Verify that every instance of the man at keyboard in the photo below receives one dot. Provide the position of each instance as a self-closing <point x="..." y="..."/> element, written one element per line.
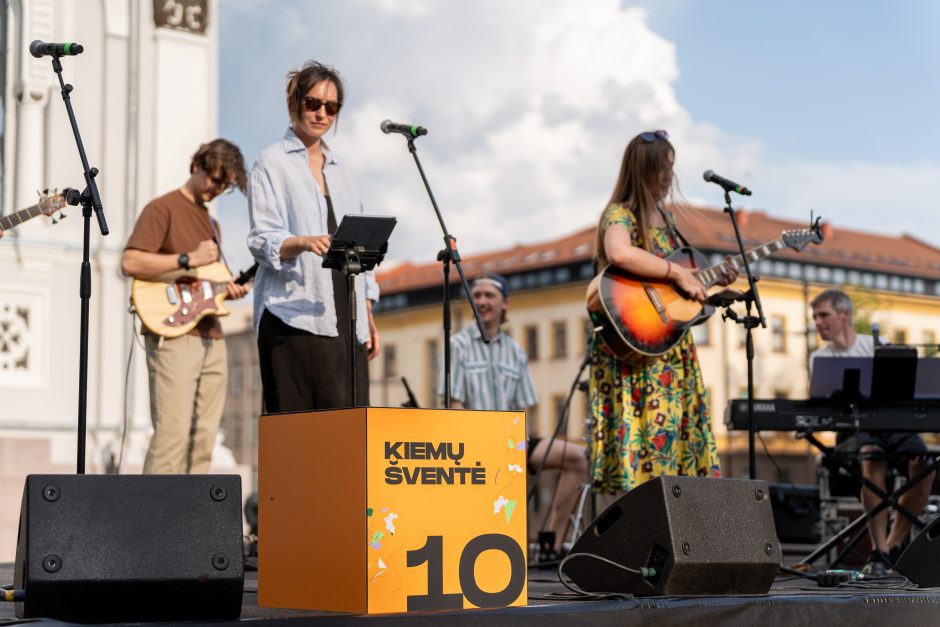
<point x="832" y="314"/>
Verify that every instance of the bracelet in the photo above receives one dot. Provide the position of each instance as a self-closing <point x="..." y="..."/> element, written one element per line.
<point x="668" y="269"/>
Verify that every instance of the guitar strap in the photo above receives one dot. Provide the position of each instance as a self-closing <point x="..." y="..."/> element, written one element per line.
<point x="673" y="227"/>
<point x="218" y="242"/>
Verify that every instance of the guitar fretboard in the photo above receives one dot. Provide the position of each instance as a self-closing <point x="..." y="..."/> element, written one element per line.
<point x="8" y="222"/>
<point x="710" y="275"/>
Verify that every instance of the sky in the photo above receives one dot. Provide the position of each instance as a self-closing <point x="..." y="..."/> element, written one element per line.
<point x="830" y="107"/>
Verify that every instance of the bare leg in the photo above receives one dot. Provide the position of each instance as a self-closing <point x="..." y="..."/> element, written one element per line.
<point x="571" y="460"/>
<point x="914" y="501"/>
<point x="874" y="471"/>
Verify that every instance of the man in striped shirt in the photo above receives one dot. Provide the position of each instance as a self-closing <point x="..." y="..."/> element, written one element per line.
<point x="496" y="376"/>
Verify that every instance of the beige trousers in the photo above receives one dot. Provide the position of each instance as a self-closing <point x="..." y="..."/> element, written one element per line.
<point x="187" y="396"/>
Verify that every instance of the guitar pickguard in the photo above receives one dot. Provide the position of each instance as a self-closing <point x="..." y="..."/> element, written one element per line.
<point x="194" y="298"/>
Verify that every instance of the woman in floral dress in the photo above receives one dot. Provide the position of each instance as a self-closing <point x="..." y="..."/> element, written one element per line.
<point x="650" y="419"/>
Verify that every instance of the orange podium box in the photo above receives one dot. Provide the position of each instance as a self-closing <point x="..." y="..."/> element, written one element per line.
<point x="374" y="510"/>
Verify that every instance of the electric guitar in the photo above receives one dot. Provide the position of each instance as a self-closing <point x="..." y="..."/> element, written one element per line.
<point x="172" y="304"/>
<point x="643" y="317"/>
<point x="47" y="205"/>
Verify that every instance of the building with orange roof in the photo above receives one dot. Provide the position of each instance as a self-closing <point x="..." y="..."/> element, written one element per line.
<point x="894" y="281"/>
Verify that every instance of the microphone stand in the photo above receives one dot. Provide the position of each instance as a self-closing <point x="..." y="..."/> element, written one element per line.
<point x="447" y="256"/>
<point x="90" y="199"/>
<point x="751" y="297"/>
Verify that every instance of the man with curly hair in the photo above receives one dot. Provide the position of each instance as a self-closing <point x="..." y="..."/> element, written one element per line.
<point x="187" y="374"/>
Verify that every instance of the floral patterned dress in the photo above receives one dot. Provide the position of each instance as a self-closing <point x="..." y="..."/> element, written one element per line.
<point x="653" y="419"/>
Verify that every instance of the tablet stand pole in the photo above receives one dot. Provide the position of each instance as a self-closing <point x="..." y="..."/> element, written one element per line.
<point x="353" y="258"/>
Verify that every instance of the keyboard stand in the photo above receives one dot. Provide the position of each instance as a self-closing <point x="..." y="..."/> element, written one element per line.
<point x="860" y="524"/>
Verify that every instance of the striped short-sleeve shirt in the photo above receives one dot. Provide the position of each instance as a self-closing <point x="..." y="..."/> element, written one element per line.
<point x="492" y="376"/>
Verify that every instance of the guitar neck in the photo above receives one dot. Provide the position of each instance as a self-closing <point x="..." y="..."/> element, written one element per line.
<point x="221" y="287"/>
<point x="711" y="275"/>
<point x="8" y="222"/>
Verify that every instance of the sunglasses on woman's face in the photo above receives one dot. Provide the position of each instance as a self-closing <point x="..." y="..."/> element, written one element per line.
<point x="313" y="105"/>
<point x="652" y="136"/>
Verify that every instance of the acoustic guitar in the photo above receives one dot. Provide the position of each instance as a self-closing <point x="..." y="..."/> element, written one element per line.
<point x="172" y="304"/>
<point x="643" y="318"/>
<point x="47" y="205"/>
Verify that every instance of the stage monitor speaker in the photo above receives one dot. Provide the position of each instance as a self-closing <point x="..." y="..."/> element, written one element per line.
<point x="700" y="535"/>
<point x="111" y="548"/>
<point x="920" y="562"/>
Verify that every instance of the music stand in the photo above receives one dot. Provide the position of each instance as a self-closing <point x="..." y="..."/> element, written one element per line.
<point x="894" y="373"/>
<point x="358" y="245"/>
<point x="888" y="377"/>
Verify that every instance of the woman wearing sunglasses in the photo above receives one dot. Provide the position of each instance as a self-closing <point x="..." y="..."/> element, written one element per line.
<point x="650" y="419"/>
<point x="299" y="191"/>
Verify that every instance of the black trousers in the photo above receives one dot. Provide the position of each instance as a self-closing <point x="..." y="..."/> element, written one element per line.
<point x="301" y="371"/>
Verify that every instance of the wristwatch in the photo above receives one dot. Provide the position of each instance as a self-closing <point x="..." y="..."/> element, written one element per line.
<point x="183" y="261"/>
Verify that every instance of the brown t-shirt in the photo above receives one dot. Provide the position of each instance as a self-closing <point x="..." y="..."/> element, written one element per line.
<point x="174" y="224"/>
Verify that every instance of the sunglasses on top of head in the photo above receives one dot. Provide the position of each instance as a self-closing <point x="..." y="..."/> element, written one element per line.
<point x="650" y="136"/>
<point x="313" y="105"/>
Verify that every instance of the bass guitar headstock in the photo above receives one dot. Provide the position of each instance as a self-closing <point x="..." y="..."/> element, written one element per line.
<point x="798" y="239"/>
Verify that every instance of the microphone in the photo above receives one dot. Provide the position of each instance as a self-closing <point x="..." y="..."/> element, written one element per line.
<point x="409" y="130"/>
<point x="729" y="186"/>
<point x="41" y="49"/>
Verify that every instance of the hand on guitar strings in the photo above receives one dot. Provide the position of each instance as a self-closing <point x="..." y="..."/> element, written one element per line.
<point x="729" y="273"/>
<point x="206" y="253"/>
<point x="686" y="281"/>
<point x="235" y="291"/>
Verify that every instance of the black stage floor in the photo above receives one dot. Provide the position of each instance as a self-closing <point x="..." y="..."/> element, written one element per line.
<point x="791" y="602"/>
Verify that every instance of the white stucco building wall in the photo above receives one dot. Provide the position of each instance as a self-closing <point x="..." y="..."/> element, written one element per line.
<point x="145" y="96"/>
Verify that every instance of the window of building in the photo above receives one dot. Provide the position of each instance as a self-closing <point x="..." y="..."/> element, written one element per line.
<point x="433" y="375"/>
<point x="700" y="334"/>
<point x="532" y="342"/>
<point x="838" y="276"/>
<point x="778" y="327"/>
<point x="930" y="343"/>
<point x="558" y="401"/>
<point x="559" y="339"/>
<point x="532" y="420"/>
<point x="812" y="340"/>
<point x="390" y="361"/>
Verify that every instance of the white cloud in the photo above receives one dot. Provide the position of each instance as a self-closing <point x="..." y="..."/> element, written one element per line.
<point x="529" y="105"/>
